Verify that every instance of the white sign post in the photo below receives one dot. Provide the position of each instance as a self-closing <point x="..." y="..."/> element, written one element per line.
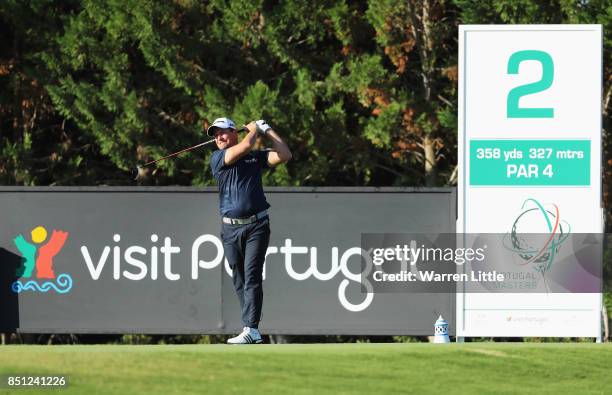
<point x="529" y="139"/>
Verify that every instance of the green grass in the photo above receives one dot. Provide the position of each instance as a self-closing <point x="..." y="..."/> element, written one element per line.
<point x="511" y="368"/>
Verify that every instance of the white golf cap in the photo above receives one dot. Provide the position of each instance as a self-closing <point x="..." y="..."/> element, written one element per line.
<point x="221" y="123"/>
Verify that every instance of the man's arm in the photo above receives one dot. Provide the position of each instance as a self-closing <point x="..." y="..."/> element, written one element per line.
<point x="239" y="150"/>
<point x="281" y="153"/>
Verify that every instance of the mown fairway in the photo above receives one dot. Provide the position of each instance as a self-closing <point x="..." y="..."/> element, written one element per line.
<point x="512" y="368"/>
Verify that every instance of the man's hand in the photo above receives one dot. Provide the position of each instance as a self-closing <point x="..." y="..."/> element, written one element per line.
<point x="262" y="127"/>
<point x="281" y="153"/>
<point x="251" y="126"/>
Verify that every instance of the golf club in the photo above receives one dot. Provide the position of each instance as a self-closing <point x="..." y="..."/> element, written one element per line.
<point x="139" y="168"/>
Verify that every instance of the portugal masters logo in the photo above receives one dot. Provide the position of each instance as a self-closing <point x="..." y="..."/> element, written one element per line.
<point x="537" y="234"/>
<point x="39" y="255"/>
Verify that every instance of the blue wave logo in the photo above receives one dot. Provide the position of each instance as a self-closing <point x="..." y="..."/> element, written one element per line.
<point x="61" y="285"/>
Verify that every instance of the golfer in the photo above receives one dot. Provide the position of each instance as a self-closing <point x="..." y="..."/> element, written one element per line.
<point x="245" y="227"/>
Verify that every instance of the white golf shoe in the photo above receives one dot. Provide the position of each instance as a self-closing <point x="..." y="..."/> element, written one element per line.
<point x="247" y="336"/>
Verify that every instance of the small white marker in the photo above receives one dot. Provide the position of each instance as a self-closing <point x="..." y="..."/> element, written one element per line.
<point x="441" y="331"/>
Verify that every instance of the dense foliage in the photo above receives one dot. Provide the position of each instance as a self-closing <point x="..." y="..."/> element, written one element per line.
<point x="365" y="92"/>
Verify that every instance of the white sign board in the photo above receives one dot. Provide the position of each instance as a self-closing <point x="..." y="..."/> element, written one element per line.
<point x="529" y="139"/>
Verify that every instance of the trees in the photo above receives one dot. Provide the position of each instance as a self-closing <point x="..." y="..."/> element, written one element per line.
<point x="35" y="146"/>
<point x="364" y="91"/>
<point x="417" y="37"/>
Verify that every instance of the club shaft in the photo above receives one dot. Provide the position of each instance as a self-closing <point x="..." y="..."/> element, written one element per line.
<point x="178" y="153"/>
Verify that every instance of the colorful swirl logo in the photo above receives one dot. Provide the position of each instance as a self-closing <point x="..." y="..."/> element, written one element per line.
<point x="537" y="234"/>
<point x="38" y="257"/>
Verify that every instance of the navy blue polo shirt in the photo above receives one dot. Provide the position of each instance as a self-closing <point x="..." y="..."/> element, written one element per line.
<point x="240" y="190"/>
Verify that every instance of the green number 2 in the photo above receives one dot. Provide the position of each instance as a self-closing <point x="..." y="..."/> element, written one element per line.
<point x="548" y="72"/>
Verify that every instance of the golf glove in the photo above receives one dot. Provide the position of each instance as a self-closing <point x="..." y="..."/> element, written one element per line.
<point x="262" y="127"/>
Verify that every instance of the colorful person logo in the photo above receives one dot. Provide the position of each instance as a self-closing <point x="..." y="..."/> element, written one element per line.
<point x="43" y="263"/>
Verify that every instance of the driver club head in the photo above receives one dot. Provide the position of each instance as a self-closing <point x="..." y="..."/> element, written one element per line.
<point x="138" y="172"/>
